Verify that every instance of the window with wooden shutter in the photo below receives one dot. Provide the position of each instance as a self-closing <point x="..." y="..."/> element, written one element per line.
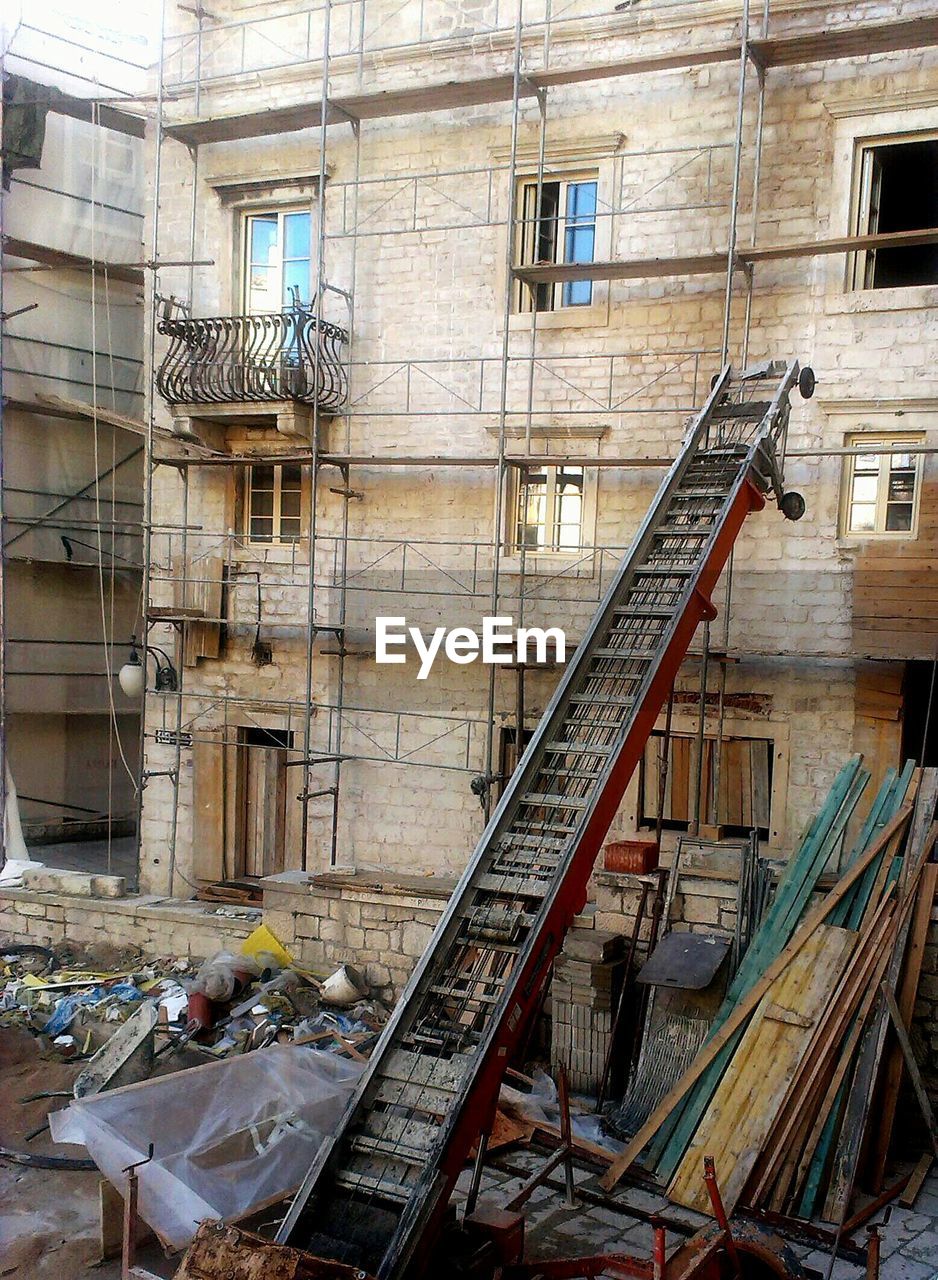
<point x="736" y="783"/>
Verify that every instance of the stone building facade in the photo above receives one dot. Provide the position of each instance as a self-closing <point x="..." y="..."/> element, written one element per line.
<point x="416" y="211"/>
<point x="826" y="637"/>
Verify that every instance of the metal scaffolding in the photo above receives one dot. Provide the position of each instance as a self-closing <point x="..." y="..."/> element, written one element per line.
<point x="504" y="391"/>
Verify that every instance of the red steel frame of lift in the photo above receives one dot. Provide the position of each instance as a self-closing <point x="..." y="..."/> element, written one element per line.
<point x="478" y="1109"/>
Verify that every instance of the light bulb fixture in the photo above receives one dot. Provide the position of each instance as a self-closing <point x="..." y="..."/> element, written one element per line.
<point x="132" y="677"/>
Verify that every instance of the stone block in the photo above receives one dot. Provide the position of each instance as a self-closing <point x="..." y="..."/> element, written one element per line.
<point x="74" y="884"/>
<point x="35" y="909"/>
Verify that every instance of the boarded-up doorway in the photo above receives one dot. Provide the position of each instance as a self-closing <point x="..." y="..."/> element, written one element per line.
<point x="262" y="787"/>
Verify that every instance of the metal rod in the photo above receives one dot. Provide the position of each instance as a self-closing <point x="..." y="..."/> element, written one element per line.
<point x="737" y="173"/>
<point x="566" y="1134"/>
<point x="503" y="387"/>
<point x="719" y="1212"/>
<point x="472" y="1198"/>
<point x="664" y="769"/>
<point x="701" y="727"/>
<point x="314" y="444"/>
<point x="178" y="694"/>
<point x="928" y="708"/>
<point x="148" y="463"/>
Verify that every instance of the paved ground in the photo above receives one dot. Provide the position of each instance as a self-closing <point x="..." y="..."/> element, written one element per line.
<point x="909" y="1238"/>
<point x="48" y="1228"/>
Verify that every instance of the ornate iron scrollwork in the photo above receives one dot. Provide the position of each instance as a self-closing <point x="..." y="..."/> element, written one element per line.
<point x="225" y="359"/>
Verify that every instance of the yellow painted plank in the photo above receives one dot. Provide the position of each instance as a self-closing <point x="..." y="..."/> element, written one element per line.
<point x="754" y="1085"/>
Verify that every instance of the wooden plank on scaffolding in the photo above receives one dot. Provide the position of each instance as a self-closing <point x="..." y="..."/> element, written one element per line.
<point x="853" y="40"/>
<point x="860" y="40"/>
<point x="46" y="256"/>
<point x="715" y="262"/>
<point x="747" y="1100"/>
<point x="740" y="1015"/>
<point x="80" y="411"/>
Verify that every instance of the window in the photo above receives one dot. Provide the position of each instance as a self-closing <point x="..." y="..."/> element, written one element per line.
<point x="548" y="508"/>
<point x="881" y="490"/>
<point x="898" y="191"/>
<point x="744" y="783"/>
<point x="277" y="260"/>
<point x="274" y="503"/>
<point x="559" y="228"/>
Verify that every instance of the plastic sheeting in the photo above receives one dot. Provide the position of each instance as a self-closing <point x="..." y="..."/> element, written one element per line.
<point x="227" y="1137"/>
<point x="542" y="1105"/>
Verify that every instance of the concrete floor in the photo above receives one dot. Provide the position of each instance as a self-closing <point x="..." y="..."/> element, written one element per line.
<point x="91" y="855"/>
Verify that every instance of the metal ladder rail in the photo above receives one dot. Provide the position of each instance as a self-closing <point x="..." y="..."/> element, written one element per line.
<point x="659" y="546"/>
<point x="423" y="1150"/>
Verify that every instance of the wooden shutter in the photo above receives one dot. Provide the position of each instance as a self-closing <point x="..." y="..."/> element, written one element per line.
<point x="208" y="808"/>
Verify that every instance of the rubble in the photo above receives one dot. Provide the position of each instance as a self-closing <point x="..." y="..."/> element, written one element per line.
<point x="232" y="1003"/>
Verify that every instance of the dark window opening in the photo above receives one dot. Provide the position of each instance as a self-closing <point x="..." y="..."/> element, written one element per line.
<point x="920" y="714"/>
<point x="899" y="193"/>
<point x="508" y="754"/>
<point x="255" y="737"/>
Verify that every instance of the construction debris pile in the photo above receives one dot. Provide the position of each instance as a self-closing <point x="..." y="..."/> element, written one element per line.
<point x="230" y="1004"/>
<point x="794" y="1093"/>
<point x="244" y="1026"/>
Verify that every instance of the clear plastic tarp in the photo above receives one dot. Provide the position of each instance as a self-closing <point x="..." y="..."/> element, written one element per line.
<point x="227" y="1137"/>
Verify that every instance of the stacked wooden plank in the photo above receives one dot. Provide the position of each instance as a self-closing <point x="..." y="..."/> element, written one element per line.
<point x="587" y="980"/>
<point x="799" y="1075"/>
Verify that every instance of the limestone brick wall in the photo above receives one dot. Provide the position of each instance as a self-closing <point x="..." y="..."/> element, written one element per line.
<point x="158" y="926"/>
<point x="382" y="931"/>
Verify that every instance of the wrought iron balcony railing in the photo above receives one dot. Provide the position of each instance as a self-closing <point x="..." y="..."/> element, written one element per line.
<point x="227" y="359"/>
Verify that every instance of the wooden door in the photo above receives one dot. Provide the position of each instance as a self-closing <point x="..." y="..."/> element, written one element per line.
<point x="263" y="826"/>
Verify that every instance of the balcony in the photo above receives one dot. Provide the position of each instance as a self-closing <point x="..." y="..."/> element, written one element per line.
<point x="291" y="355"/>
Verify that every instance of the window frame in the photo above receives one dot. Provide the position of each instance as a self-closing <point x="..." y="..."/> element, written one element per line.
<point x="280" y="211"/>
<point x="861" y="265"/>
<point x="515" y="548"/>
<point x="646" y="815"/>
<point x="276" y="539"/>
<point x="884" y="440"/>
<point x="735" y="725"/>
<point x="528" y="234"/>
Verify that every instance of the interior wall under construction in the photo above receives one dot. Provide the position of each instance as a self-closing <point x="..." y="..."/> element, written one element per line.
<point x="72" y="482"/>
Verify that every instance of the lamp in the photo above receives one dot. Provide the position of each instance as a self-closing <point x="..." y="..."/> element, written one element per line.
<point x="131" y="676"/>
